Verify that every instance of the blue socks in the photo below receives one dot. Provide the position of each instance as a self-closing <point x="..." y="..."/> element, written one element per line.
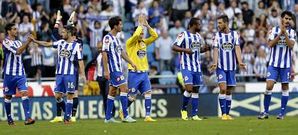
<point x="267" y="100"/>
<point x="26" y="107"/>
<point x="124" y="102"/>
<point x="110" y="106"/>
<point x="284" y="101"/>
<point x="194" y="103"/>
<point x="68" y="110"/>
<point x="60" y="104"/>
<point x="222" y="103"/>
<point x="148" y="104"/>
<point x="185" y="100"/>
<point x="228" y="103"/>
<point x="7" y="103"/>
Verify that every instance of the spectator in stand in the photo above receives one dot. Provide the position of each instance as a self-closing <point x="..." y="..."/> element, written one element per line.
<point x="67" y="7"/>
<point x="273" y="19"/>
<point x="177" y="29"/>
<point x="155" y="13"/>
<point x="250" y="33"/>
<point x="260" y="65"/>
<point x="39" y="15"/>
<point x="95" y="36"/>
<point x="163" y="51"/>
<point x="141" y="9"/>
<point x="36" y="61"/>
<point x="205" y="16"/>
<point x="232" y="10"/>
<point x="25" y="28"/>
<point x="179" y="7"/>
<point x="261" y="9"/>
<point x="186" y="19"/>
<point x="248" y="14"/>
<point x="23" y="7"/>
<point x="248" y="60"/>
<point x="9" y="10"/>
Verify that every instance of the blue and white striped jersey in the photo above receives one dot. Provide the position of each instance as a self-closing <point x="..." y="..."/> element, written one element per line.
<point x="112" y="46"/>
<point x="68" y="53"/>
<point x="281" y="54"/>
<point x="260" y="66"/>
<point x="226" y="44"/>
<point x="13" y="64"/>
<point x="186" y="40"/>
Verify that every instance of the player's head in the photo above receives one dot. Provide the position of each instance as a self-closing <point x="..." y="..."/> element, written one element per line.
<point x="11" y="29"/>
<point x="115" y="23"/>
<point x="222" y="22"/>
<point x="286" y="18"/>
<point x="194" y="24"/>
<point x="68" y="31"/>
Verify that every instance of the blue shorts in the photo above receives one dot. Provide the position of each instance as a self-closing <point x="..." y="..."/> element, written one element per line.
<point x="138" y="82"/>
<point x="227" y="77"/>
<point x="117" y="79"/>
<point x="275" y="73"/>
<point x="65" y="83"/>
<point x="11" y="83"/>
<point x="192" y="78"/>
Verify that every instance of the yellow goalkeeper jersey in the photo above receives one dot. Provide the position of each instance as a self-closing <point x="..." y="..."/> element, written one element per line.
<point x="136" y="49"/>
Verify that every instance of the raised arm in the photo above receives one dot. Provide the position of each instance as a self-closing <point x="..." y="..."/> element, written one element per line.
<point x="152" y="32"/>
<point x="136" y="35"/>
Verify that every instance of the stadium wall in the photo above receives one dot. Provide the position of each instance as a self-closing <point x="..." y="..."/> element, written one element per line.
<point x="90" y="107"/>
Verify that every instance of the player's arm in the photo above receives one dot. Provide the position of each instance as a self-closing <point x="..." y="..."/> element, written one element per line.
<point x="105" y="59"/>
<point x="152" y="32"/>
<point x="215" y="53"/>
<point x="273" y="41"/>
<point x="205" y="47"/>
<point x="177" y="45"/>
<point x="43" y="43"/>
<point x="55" y="33"/>
<point x="22" y="48"/>
<point x="135" y="36"/>
<point x="238" y="52"/>
<point x="290" y="41"/>
<point x="127" y="59"/>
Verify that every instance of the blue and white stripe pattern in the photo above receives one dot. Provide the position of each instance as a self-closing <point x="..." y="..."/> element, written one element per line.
<point x="112" y="46"/>
<point x="190" y="62"/>
<point x="68" y="53"/>
<point x="281" y="54"/>
<point x="226" y="43"/>
<point x="260" y="66"/>
<point x="13" y="64"/>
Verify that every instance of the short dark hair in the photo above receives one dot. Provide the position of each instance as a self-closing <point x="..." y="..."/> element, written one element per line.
<point x="114" y="21"/>
<point x="284" y="13"/>
<point x="9" y="27"/>
<point x="225" y="18"/>
<point x="193" y="21"/>
<point x="71" y="29"/>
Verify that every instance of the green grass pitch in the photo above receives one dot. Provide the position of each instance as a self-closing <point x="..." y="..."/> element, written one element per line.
<point x="164" y="126"/>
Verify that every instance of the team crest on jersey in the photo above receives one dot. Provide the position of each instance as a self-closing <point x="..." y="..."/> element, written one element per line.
<point x="180" y="35"/>
<point x="227" y="46"/>
<point x="282" y="40"/>
<point x="65" y="53"/>
<point x="120" y="78"/>
<point x="195" y="45"/>
<point x="220" y="76"/>
<point x="141" y="53"/>
<point x="106" y="41"/>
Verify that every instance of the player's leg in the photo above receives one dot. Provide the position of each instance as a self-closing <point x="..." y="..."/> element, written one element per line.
<point x="188" y="81"/>
<point x="69" y="84"/>
<point x="197" y="82"/>
<point x="110" y="105"/>
<point x="75" y="100"/>
<point x="272" y="75"/>
<point x="9" y="89"/>
<point x="231" y="83"/>
<point x="145" y="89"/>
<point x="60" y="104"/>
<point x="285" y="78"/>
<point x="23" y="89"/>
<point x="222" y="83"/>
<point x="124" y="99"/>
<point x="75" y="106"/>
<point x="134" y="80"/>
<point x="104" y="90"/>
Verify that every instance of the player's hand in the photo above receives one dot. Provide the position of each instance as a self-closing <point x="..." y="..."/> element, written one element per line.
<point x="213" y="67"/>
<point x="107" y="75"/>
<point x="59" y="16"/>
<point x="71" y="19"/>
<point x="242" y="66"/>
<point x="188" y="51"/>
<point x="83" y="79"/>
<point x="145" y="23"/>
<point x="134" y="66"/>
<point x="283" y="29"/>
